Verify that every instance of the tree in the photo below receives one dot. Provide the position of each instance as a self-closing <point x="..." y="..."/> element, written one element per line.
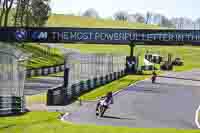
<point x="6" y="7"/>
<point x="32" y="12"/>
<point x="131" y="18"/>
<point x="165" y="22"/>
<point x="9" y="5"/>
<point x="176" y="21"/>
<point x="182" y="22"/>
<point x="157" y="18"/>
<point x="40" y="11"/>
<point x="91" y="13"/>
<point x="121" y="15"/>
<point x="197" y="22"/>
<point x="22" y="10"/>
<point x="148" y="18"/>
<point x="139" y="18"/>
<point x="2" y="12"/>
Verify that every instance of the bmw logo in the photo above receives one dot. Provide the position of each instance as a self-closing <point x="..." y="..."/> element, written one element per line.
<point x="20" y="35"/>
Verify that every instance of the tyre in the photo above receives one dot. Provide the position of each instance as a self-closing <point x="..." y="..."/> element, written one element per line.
<point x="101" y="110"/>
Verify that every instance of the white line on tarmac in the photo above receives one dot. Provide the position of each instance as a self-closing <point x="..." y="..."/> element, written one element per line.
<point x="63" y="117"/>
<point x="197" y="117"/>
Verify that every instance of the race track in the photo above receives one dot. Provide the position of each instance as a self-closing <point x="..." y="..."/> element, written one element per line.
<point x="171" y="103"/>
<point x="41" y="85"/>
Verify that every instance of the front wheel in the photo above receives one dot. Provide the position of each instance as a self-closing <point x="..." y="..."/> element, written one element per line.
<point x="102" y="111"/>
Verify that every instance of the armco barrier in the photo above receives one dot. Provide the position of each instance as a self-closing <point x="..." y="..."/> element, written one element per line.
<point x="88" y="84"/>
<point x="57" y="96"/>
<point x="75" y="90"/>
<point x="44" y="71"/>
<point x="11" y="105"/>
<point x="83" y="86"/>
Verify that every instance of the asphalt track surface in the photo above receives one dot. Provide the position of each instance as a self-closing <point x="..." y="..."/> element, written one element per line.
<point x="41" y="85"/>
<point x="170" y="103"/>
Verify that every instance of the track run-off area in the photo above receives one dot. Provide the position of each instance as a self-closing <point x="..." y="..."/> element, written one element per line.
<point x="170" y="103"/>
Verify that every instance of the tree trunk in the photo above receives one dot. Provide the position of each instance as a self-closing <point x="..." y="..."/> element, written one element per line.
<point x="17" y="12"/>
<point x="8" y="7"/>
<point x="2" y="12"/>
<point x="27" y="14"/>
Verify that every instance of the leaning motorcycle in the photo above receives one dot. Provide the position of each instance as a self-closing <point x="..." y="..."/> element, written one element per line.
<point x="102" y="108"/>
<point x="153" y="78"/>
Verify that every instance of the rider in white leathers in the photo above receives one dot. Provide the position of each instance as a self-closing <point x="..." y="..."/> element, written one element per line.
<point x="106" y="101"/>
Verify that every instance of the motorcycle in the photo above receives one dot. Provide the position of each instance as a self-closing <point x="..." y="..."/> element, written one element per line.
<point x="103" y="106"/>
<point x="153" y="78"/>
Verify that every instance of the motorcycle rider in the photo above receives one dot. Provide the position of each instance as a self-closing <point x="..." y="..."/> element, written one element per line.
<point x="108" y="99"/>
<point x="154" y="77"/>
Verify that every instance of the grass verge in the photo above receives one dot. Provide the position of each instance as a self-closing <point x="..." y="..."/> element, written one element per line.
<point x="46" y="122"/>
<point x="41" y="56"/>
<point x="60" y="74"/>
<point x="36" y="99"/>
<point x="113" y="86"/>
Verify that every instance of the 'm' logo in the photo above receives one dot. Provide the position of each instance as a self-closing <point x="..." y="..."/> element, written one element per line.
<point x="39" y="35"/>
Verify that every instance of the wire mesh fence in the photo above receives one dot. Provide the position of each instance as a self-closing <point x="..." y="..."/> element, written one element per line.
<point x="87" y="71"/>
<point x="12" y="77"/>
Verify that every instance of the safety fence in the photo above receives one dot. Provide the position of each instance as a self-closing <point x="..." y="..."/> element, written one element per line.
<point x="12" y="77"/>
<point x="83" y="86"/>
<point x="86" y="72"/>
<point x="44" y="71"/>
<point x="61" y="96"/>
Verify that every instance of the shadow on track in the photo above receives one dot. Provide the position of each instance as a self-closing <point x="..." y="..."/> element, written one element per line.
<point x="118" y="118"/>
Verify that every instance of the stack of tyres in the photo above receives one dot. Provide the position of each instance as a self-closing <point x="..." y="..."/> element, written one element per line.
<point x="11" y="105"/>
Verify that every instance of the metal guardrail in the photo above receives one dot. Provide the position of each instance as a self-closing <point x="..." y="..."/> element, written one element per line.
<point x="44" y="71"/>
<point x="62" y="96"/>
<point x="11" y="105"/>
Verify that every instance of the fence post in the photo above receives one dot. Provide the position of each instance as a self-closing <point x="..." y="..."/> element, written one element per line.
<point x="81" y="87"/>
<point x="88" y="84"/>
<point x="73" y="89"/>
<point x="115" y="75"/>
<point x="95" y="82"/>
<point x="107" y="79"/>
<point x="66" y="77"/>
<point x="110" y="76"/>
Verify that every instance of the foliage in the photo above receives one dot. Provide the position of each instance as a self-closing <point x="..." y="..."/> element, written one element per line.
<point x="121" y="15"/>
<point x="91" y="13"/>
<point x="32" y="12"/>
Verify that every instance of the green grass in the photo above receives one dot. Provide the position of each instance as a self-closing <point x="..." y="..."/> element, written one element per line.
<point x="40" y="58"/>
<point x="36" y="99"/>
<point x="113" y="86"/>
<point x="190" y="54"/>
<point x="60" y="74"/>
<point x="46" y="122"/>
<point x="77" y="21"/>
